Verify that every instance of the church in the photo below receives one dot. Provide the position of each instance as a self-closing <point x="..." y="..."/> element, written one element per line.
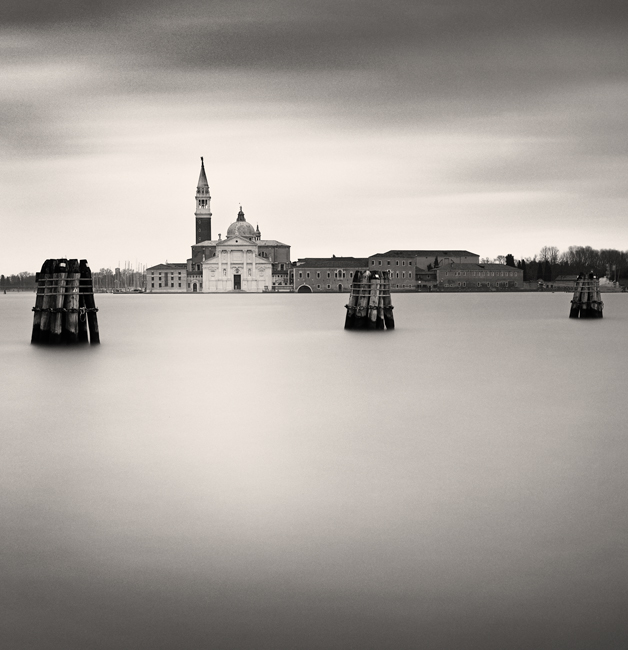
<point x="242" y="261"/>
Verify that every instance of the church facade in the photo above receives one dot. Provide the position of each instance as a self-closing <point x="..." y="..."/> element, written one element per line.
<point x="242" y="261"/>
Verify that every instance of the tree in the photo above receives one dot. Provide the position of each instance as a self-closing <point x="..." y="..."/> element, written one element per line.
<point x="436" y="262"/>
<point x="500" y="259"/>
<point x="549" y="254"/>
<point x="521" y="264"/>
<point x="510" y="260"/>
<point x="540" y="271"/>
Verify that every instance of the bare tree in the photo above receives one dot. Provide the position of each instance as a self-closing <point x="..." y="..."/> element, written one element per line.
<point x="549" y="254"/>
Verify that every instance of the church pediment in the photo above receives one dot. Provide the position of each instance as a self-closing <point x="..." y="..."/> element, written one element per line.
<point x="237" y="241"/>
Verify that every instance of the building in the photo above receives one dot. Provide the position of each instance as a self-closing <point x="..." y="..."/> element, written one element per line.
<point x="243" y="261"/>
<point x="314" y="274"/>
<point x="169" y="278"/>
<point x="411" y="270"/>
<point x="478" y="277"/>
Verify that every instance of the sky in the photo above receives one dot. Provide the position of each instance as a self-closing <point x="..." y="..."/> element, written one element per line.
<point x="345" y="127"/>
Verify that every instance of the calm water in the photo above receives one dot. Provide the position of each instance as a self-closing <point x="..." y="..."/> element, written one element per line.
<point x="237" y="471"/>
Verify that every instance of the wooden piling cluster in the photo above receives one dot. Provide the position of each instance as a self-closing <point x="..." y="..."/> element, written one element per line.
<point x="370" y="306"/>
<point x="586" y="301"/>
<point x="64" y="304"/>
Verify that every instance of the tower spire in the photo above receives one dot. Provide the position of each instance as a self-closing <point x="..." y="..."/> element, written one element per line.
<point x="203" y="212"/>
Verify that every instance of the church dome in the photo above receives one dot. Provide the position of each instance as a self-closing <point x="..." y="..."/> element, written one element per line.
<point x="241" y="228"/>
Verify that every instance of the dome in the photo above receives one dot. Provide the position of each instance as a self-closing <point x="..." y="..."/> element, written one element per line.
<point x="241" y="228"/>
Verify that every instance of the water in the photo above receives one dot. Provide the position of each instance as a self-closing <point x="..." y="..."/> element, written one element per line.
<point x="237" y="471"/>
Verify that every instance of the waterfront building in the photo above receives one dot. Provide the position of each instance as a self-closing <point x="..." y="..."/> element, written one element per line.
<point x="315" y="274"/>
<point x="411" y="269"/>
<point x="478" y="277"/>
<point x="242" y="261"/>
<point x="169" y="278"/>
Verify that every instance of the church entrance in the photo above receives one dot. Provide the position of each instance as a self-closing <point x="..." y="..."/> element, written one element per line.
<point x="194" y="287"/>
<point x="237" y="282"/>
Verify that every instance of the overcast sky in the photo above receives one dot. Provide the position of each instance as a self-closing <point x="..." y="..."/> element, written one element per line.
<point x="344" y="127"/>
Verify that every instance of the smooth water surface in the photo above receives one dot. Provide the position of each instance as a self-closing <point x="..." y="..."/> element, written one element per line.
<point x="237" y="471"/>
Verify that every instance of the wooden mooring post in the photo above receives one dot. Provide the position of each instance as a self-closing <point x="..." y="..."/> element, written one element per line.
<point x="586" y="301"/>
<point x="64" y="304"/>
<point x="370" y="305"/>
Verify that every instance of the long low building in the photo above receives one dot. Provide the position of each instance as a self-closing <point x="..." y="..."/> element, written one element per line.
<point x="326" y="274"/>
<point x="477" y="277"/>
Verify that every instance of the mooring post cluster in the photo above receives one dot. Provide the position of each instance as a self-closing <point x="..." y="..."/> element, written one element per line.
<point x="370" y="306"/>
<point x="64" y="306"/>
<point x="586" y="301"/>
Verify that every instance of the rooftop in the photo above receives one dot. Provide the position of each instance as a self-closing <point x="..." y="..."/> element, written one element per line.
<point x="175" y="266"/>
<point x="425" y="253"/>
<point x="467" y="266"/>
<point x="333" y="262"/>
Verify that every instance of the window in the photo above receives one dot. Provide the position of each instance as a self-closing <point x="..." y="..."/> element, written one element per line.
<point x="329" y="286"/>
<point x="179" y="285"/>
<point x="152" y="285"/>
<point x="300" y="274"/>
<point x="172" y="285"/>
<point x="403" y="262"/>
<point x="318" y="274"/>
<point x="160" y="285"/>
<point x="380" y="262"/>
<point x="372" y="262"/>
<point x="328" y="274"/>
<point x="403" y="275"/>
<point x="388" y="262"/>
<point x="307" y="274"/>
<point x="318" y="286"/>
<point x="410" y="263"/>
<point x="397" y="263"/>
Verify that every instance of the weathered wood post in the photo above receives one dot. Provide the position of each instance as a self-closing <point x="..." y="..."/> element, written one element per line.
<point x="575" y="301"/>
<point x="90" y="305"/>
<point x="353" y="301"/>
<point x="389" y="321"/>
<point x="71" y="303"/>
<point x="56" y="319"/>
<point x="369" y="305"/>
<point x="373" y="301"/>
<point x="586" y="301"/>
<point x="49" y="289"/>
<point x="64" y="304"/>
<point x="42" y="277"/>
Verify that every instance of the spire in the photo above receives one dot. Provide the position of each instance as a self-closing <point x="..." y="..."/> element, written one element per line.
<point x="202" y="178"/>
<point x="241" y="215"/>
<point x="203" y="212"/>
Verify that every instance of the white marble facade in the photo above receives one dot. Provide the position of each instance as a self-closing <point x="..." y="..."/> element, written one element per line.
<point x="236" y="266"/>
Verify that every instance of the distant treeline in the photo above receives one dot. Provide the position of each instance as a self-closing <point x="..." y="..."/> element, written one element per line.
<point x="23" y="281"/>
<point x="104" y="280"/>
<point x="550" y="263"/>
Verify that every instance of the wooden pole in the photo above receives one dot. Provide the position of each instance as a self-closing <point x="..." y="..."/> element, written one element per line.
<point x="389" y="321"/>
<point x="373" y="300"/>
<point x="575" y="301"/>
<point x="71" y="303"/>
<point x="90" y="305"/>
<point x="46" y="272"/>
<point x="353" y="301"/>
<point x="361" y="314"/>
<point x="49" y="290"/>
<point x="56" y="320"/>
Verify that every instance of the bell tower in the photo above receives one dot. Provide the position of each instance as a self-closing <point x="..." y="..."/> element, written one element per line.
<point x="203" y="212"/>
